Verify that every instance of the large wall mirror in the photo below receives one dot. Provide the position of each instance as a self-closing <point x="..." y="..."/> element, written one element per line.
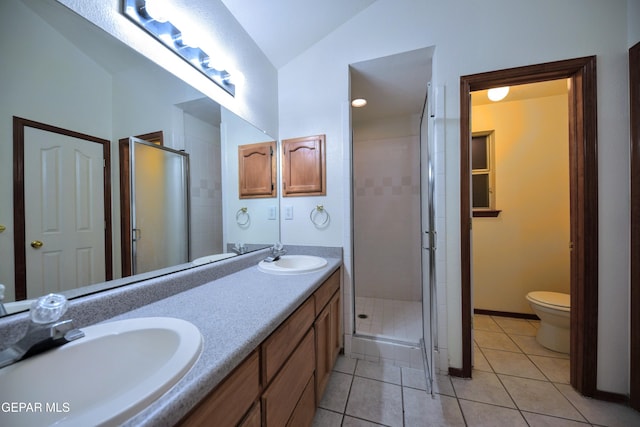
<point x="65" y="82"/>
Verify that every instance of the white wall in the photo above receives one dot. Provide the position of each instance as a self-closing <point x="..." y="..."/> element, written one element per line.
<point x="262" y="228"/>
<point x="256" y="98"/>
<point x="313" y="98"/>
<point x="27" y="92"/>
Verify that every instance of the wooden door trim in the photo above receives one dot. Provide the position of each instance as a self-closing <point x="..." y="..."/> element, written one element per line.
<point x="634" y="110"/>
<point x="19" y="244"/>
<point x="584" y="212"/>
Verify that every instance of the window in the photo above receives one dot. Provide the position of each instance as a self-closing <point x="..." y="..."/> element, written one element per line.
<point x="483" y="174"/>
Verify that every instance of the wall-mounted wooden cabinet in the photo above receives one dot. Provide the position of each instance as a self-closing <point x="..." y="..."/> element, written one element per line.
<point x="257" y="170"/>
<point x="304" y="166"/>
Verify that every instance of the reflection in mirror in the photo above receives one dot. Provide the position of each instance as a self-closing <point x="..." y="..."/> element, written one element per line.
<point x="62" y="71"/>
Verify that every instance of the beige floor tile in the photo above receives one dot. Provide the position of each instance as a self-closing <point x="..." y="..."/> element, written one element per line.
<point x="555" y="369"/>
<point x="495" y="340"/>
<point x="337" y="392"/>
<point x="537" y="420"/>
<point x="422" y="409"/>
<point x="414" y="378"/>
<point x="600" y="412"/>
<point x="483" y="415"/>
<point x="442" y="385"/>
<point x="516" y="326"/>
<point x="510" y="363"/>
<point x="375" y="401"/>
<point x="540" y="397"/>
<point x="345" y="364"/>
<point x="379" y="371"/>
<point x="485" y="387"/>
<point x="482" y="322"/>
<point x="324" y="418"/>
<point x="479" y="361"/>
<point x="355" y="422"/>
<point x="529" y="345"/>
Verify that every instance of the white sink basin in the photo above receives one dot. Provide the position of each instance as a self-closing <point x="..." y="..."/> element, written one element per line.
<point x="108" y="376"/>
<point x="293" y="264"/>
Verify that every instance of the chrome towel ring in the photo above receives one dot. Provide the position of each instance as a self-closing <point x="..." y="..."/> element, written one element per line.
<point x="319" y="216"/>
<point x="242" y="217"/>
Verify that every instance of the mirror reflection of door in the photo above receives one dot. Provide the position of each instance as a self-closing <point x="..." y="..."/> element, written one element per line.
<point x="159" y="206"/>
<point x="65" y="241"/>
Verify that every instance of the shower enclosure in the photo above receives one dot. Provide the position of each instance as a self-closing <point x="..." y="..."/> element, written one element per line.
<point x="393" y="215"/>
<point x="159" y="206"/>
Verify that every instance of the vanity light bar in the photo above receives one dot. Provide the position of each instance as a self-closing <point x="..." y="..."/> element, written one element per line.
<point x="168" y="34"/>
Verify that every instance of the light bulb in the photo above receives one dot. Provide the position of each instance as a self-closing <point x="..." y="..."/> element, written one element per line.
<point x="157" y="9"/>
<point x="359" y="102"/>
<point x="498" y="93"/>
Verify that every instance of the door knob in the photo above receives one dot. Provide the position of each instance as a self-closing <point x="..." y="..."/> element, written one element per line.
<point x="2" y="228"/>
<point x="36" y="244"/>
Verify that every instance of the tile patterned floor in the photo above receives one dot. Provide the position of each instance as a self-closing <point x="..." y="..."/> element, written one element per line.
<point x="387" y="318"/>
<point x="516" y="382"/>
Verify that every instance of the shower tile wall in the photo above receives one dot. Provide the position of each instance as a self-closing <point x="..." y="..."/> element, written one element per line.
<point x="202" y="141"/>
<point x="387" y="218"/>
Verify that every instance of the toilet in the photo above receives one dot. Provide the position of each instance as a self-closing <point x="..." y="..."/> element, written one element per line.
<point x="553" y="309"/>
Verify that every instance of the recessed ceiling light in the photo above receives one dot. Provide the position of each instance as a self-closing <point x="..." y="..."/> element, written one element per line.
<point x="359" y="102"/>
<point x="498" y="93"/>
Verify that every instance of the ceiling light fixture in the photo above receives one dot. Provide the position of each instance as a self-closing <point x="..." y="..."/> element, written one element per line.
<point x="498" y="93"/>
<point x="153" y="17"/>
<point x="358" y="102"/>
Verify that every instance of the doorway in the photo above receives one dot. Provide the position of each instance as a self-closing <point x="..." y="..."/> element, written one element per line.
<point x="581" y="73"/>
<point x="62" y="206"/>
<point x="392" y="272"/>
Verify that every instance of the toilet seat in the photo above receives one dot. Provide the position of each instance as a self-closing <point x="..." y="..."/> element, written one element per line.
<point x="554" y="300"/>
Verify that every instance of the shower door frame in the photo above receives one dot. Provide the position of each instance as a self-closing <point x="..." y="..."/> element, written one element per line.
<point x="584" y="208"/>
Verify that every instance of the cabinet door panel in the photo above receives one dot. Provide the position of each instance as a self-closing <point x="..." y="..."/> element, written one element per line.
<point x="230" y="400"/>
<point x="304" y="166"/>
<point x="282" y="396"/>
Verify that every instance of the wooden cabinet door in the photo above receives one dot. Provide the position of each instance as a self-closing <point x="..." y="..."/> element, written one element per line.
<point x="283" y="394"/>
<point x="323" y="352"/>
<point x="230" y="401"/>
<point x="304" y="167"/>
<point x="257" y="170"/>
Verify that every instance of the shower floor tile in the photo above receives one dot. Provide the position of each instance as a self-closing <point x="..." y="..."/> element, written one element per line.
<point x="387" y="318"/>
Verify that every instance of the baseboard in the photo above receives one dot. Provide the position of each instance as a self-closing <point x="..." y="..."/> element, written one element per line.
<point x="611" y="397"/>
<point x="456" y="372"/>
<point x="527" y="316"/>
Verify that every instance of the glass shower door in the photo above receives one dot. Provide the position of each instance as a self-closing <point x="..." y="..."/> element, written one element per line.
<point x="159" y="206"/>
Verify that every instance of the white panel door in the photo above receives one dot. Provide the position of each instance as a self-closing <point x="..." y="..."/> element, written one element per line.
<point x="64" y="210"/>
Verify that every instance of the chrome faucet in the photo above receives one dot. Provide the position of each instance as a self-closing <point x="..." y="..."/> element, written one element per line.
<point x="275" y="252"/>
<point x="239" y="248"/>
<point x="44" y="332"/>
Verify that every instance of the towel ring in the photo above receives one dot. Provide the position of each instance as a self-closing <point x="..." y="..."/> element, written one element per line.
<point x="242" y="217"/>
<point x="319" y="211"/>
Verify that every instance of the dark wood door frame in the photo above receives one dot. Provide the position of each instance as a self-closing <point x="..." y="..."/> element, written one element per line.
<point x="583" y="160"/>
<point x="19" y="245"/>
<point x="634" y="100"/>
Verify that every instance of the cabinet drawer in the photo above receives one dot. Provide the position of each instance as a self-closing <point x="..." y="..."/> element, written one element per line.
<point x="277" y="348"/>
<point x="326" y="290"/>
<point x="282" y="396"/>
<point x="229" y="402"/>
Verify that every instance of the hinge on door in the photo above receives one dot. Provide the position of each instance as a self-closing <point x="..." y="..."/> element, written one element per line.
<point x="271" y="151"/>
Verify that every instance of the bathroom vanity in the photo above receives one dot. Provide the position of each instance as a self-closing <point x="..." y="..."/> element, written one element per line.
<point x="268" y="341"/>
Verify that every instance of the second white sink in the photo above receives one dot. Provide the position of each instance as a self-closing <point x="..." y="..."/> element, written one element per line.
<point x="293" y="264"/>
<point x="108" y="376"/>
